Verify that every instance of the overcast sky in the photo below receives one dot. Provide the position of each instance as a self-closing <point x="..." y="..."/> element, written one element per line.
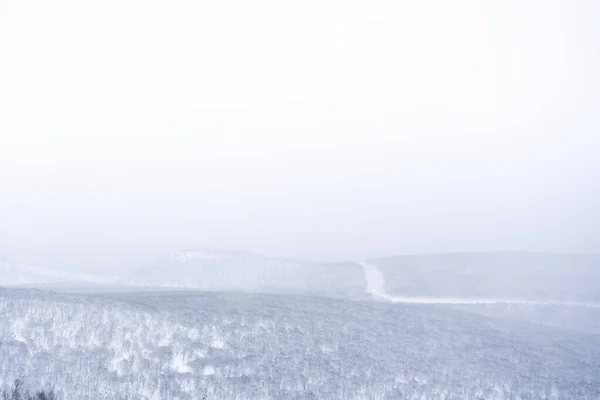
<point x="324" y="130"/>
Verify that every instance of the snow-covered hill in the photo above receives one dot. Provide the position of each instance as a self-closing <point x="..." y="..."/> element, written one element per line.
<point x="526" y="276"/>
<point x="178" y="345"/>
<point x="456" y="278"/>
<point x="18" y="274"/>
<point x="219" y="270"/>
<point x="534" y="278"/>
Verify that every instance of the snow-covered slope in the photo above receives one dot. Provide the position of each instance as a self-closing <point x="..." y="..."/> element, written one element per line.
<point x="534" y="278"/>
<point x="525" y="276"/>
<point x="176" y="345"/>
<point x="434" y="278"/>
<point x="219" y="270"/>
<point x="17" y="274"/>
<point x="377" y="289"/>
<point x="13" y="274"/>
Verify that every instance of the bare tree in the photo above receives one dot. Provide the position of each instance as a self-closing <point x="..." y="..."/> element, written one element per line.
<point x="18" y="392"/>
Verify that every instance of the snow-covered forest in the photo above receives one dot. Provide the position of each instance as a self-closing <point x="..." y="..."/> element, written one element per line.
<point x="190" y="345"/>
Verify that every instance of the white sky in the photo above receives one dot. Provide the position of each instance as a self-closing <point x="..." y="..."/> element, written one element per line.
<point x="318" y="129"/>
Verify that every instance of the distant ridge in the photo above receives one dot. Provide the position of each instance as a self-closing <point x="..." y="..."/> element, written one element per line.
<point x="14" y="274"/>
<point x="18" y="274"/>
<point x="464" y="278"/>
<point x="530" y="276"/>
<point x="231" y="270"/>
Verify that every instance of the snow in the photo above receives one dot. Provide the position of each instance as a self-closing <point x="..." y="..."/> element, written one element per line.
<point x="22" y="274"/>
<point x="490" y="277"/>
<point x="375" y="281"/>
<point x="179" y="364"/>
<point x="208" y="370"/>
<point x="376" y="287"/>
<point x="212" y="270"/>
<point x="162" y="345"/>
<point x="409" y="327"/>
<point x="457" y="278"/>
<point x="186" y="256"/>
<point x="19" y="274"/>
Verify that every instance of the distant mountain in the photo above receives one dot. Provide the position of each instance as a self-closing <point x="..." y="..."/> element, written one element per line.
<point x="414" y="278"/>
<point x="19" y="274"/>
<point x="14" y="274"/>
<point x="458" y="278"/>
<point x="533" y="276"/>
<point x="224" y="270"/>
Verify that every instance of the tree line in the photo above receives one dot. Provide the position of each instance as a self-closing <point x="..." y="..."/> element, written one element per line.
<point x="18" y="392"/>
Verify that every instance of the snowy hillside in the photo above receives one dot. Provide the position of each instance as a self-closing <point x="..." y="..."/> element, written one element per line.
<point x="177" y="345"/>
<point x="219" y="270"/>
<point x="458" y="277"/>
<point x="530" y="276"/>
<point x="18" y="274"/>
<point x="483" y="278"/>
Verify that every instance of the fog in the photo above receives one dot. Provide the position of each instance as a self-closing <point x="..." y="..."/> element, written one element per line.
<point x="322" y="130"/>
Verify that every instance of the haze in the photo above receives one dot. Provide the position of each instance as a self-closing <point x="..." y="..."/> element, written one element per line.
<point x="321" y="130"/>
